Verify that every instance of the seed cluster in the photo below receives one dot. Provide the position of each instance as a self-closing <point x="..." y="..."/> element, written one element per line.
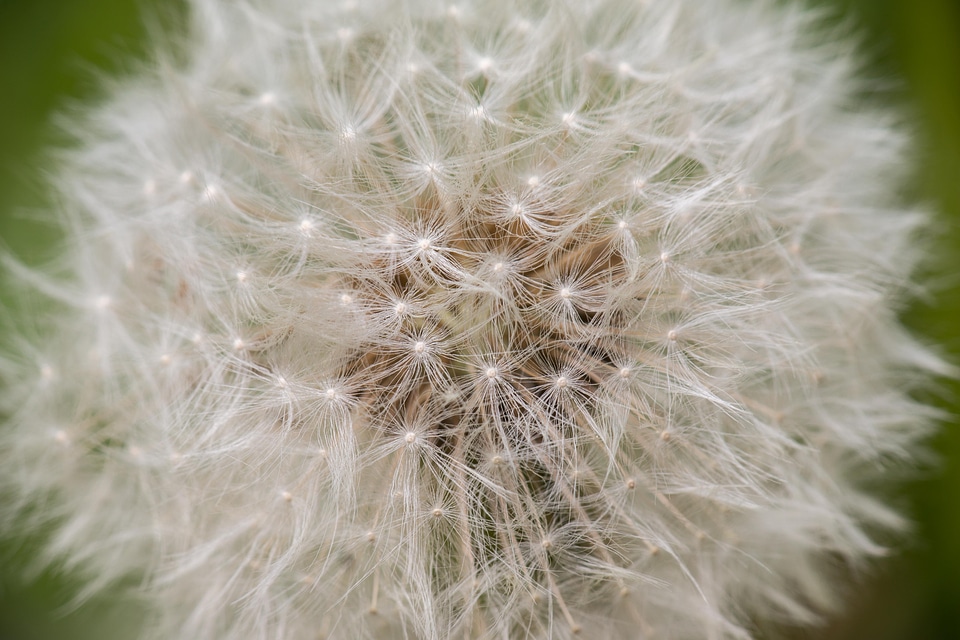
<point x="491" y="320"/>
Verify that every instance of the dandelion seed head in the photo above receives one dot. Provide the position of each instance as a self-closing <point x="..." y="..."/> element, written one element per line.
<point x="560" y="280"/>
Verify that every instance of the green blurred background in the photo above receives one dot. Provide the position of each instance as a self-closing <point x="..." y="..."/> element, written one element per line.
<point x="51" y="52"/>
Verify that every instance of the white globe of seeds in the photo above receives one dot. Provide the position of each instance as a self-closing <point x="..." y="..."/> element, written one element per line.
<point x="483" y="320"/>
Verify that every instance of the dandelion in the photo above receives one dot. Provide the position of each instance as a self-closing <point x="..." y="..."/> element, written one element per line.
<point x="482" y="320"/>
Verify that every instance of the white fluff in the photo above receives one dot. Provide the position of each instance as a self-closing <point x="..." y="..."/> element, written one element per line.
<point x="496" y="319"/>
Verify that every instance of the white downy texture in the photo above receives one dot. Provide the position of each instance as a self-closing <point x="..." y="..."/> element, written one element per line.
<point x="497" y="319"/>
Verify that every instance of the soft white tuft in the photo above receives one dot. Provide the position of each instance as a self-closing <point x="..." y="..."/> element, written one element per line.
<point x="495" y="319"/>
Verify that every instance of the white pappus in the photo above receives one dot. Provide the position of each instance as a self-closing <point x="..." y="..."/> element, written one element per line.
<point x="494" y="319"/>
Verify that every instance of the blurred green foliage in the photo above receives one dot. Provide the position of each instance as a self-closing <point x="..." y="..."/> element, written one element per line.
<point x="51" y="52"/>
